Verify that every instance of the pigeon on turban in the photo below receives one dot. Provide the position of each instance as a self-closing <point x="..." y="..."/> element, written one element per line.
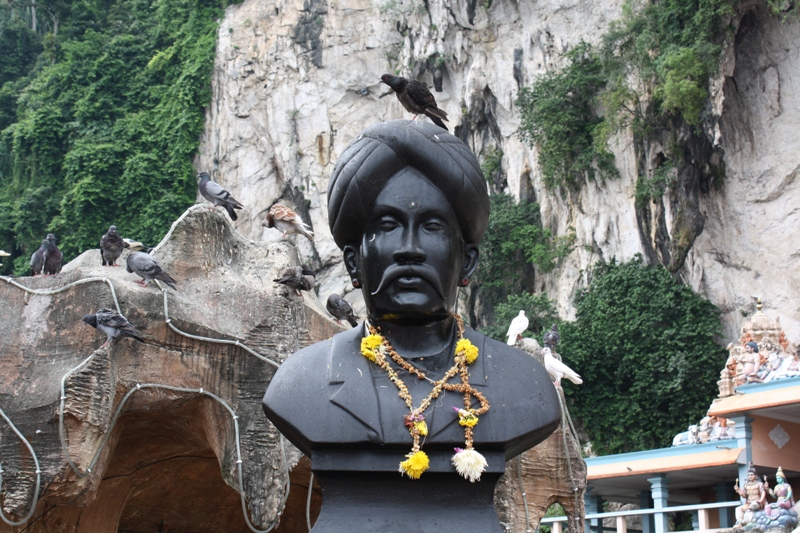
<point x="382" y="151"/>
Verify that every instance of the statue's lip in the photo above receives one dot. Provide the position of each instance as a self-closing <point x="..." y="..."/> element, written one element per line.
<point x="408" y="282"/>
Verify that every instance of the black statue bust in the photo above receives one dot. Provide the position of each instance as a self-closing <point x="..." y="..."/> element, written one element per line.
<point x="408" y="205"/>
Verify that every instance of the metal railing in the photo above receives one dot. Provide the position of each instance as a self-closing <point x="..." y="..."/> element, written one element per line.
<point x="596" y="519"/>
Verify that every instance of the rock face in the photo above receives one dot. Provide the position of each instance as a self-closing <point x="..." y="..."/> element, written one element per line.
<point x="155" y="430"/>
<point x="295" y="81"/>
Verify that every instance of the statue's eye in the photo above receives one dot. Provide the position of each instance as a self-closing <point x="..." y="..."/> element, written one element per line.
<point x="433" y="225"/>
<point x="388" y="224"/>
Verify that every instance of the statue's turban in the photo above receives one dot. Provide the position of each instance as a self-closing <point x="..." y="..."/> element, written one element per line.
<point x="380" y="152"/>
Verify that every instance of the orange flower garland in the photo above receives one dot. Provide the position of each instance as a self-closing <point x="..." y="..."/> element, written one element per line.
<point x="468" y="462"/>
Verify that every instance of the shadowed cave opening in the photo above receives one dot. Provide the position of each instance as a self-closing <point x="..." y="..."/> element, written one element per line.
<point x="164" y="476"/>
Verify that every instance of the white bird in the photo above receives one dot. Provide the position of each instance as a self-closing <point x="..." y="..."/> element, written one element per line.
<point x="4" y="254"/>
<point x="516" y="328"/>
<point x="558" y="370"/>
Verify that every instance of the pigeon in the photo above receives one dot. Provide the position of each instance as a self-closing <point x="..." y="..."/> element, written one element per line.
<point x="111" y="246"/>
<point x="299" y="278"/>
<point x="113" y="324"/>
<point x="52" y="256"/>
<point x="516" y="328"/>
<point x="341" y="310"/>
<point x="416" y="98"/>
<point x="552" y="337"/>
<point x="37" y="259"/>
<point x="214" y="193"/>
<point x="284" y="219"/>
<point x="558" y="370"/>
<point x="136" y="246"/>
<point x="3" y="254"/>
<point x="148" y="268"/>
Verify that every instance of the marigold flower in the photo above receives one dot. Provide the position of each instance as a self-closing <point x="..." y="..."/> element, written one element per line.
<point x="467" y="418"/>
<point x="422" y="427"/>
<point x="415" y="465"/>
<point x="369" y="346"/>
<point x="469" y="349"/>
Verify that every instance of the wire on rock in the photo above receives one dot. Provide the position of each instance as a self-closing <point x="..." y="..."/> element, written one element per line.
<point x="38" y="476"/>
<point x="47" y="292"/>
<point x="308" y="501"/>
<point x="208" y="339"/>
<point x="524" y="495"/>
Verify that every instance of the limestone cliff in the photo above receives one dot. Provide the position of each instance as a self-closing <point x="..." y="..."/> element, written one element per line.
<point x="295" y="81"/>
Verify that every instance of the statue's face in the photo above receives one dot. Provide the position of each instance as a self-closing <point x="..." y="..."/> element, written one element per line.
<point x="779" y="479"/>
<point x="751" y="476"/>
<point x="412" y="255"/>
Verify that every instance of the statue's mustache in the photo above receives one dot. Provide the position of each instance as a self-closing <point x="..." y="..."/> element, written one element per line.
<point x="422" y="270"/>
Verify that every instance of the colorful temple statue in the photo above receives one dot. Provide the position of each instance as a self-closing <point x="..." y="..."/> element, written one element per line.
<point x="761" y="354"/>
<point x="777" y="516"/>
<point x="755" y="497"/>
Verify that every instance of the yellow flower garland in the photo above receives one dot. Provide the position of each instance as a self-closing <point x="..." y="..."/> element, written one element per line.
<point x="469" y="463"/>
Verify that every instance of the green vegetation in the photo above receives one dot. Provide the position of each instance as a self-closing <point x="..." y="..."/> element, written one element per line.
<point x="514" y="243"/>
<point x="644" y="346"/>
<point x="100" y="121"/>
<point x="557" y="112"/>
<point x="667" y="51"/>
<point x="540" y="310"/>
<point x="650" y="73"/>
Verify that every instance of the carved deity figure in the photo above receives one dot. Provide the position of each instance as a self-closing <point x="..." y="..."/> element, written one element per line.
<point x="410" y="417"/>
<point x="755" y="497"/>
<point x="782" y="493"/>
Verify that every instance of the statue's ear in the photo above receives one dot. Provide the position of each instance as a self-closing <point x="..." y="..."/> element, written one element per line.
<point x="351" y="260"/>
<point x="471" y="255"/>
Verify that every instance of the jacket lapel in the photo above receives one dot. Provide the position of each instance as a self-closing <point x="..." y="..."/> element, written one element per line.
<point x="357" y="394"/>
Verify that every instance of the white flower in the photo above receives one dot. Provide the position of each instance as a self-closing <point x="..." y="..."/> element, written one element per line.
<point x="469" y="464"/>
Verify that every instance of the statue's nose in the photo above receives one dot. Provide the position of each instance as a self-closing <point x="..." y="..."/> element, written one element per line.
<point x="410" y="251"/>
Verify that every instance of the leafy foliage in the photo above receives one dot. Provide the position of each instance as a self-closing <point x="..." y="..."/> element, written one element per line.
<point x="557" y="113"/>
<point x="515" y="243"/>
<point x="104" y="128"/>
<point x="670" y="48"/>
<point x="540" y="310"/>
<point x="644" y="346"/>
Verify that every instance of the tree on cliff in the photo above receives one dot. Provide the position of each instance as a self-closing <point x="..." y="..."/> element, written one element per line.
<point x="100" y="120"/>
<point x="645" y="347"/>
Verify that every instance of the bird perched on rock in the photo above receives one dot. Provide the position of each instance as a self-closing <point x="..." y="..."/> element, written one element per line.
<point x="113" y="324"/>
<point x="47" y="259"/>
<point x="136" y="246"/>
<point x="557" y="369"/>
<point x="37" y="259"/>
<point x="111" y="246"/>
<point x="3" y="254"/>
<point x="416" y="98"/>
<point x="148" y="268"/>
<point x="516" y="328"/>
<point x="552" y="337"/>
<point x="299" y="278"/>
<point x="53" y="257"/>
<point x="286" y="220"/>
<point x="214" y="193"/>
<point x="341" y="310"/>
